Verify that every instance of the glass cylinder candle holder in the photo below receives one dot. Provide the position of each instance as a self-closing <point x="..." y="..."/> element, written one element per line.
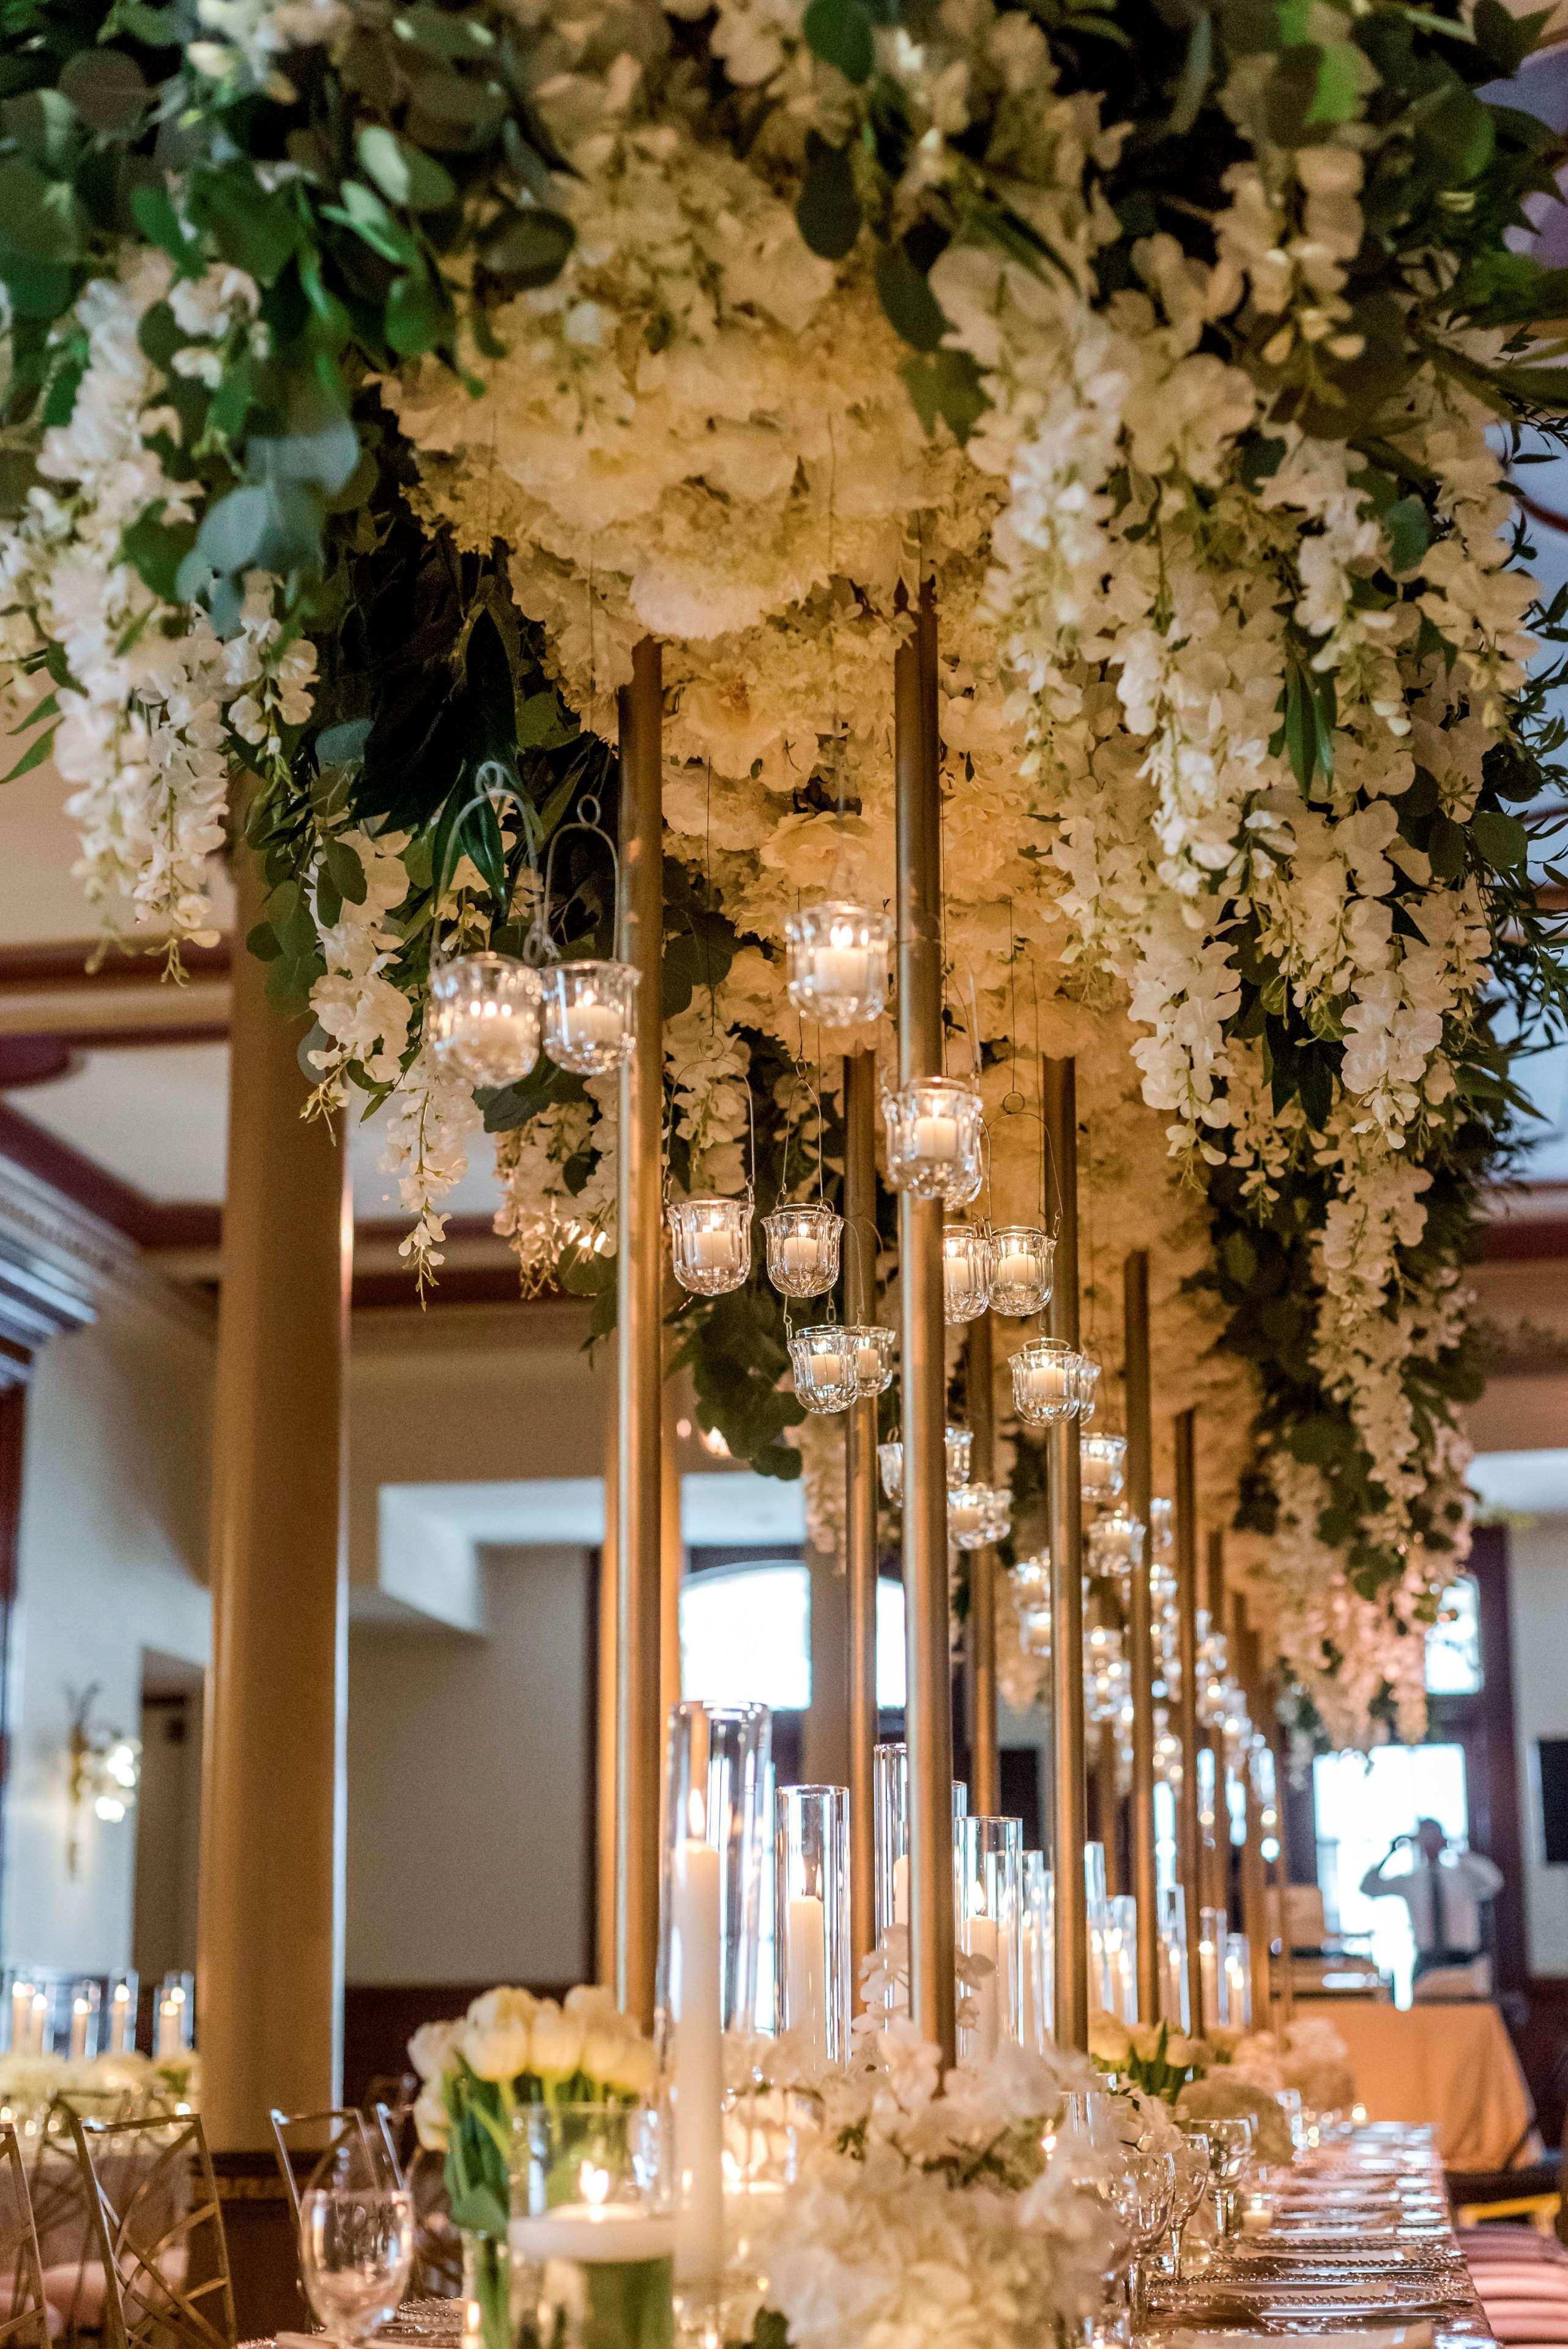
<point x="1121" y="1957"/>
<point x="1086" y="1387"/>
<point x="1102" y="1461"/>
<point x="1211" y="1965"/>
<point x="717" y="1768"/>
<point x="1237" y="1971"/>
<point x="594" y="2241"/>
<point x="120" y="2024"/>
<point x="934" y="1130"/>
<point x="1037" y="1953"/>
<point x="875" y="1353"/>
<point x="590" y="1015"/>
<point x="86" y="2002"/>
<point x="1045" y="1381"/>
<point x="710" y="1241"/>
<point x="957" y="1442"/>
<point x="802" y="1244"/>
<point x="811" y="1920"/>
<point x="823" y="1360"/>
<point x="990" y="1929"/>
<point x="1116" y="1549"/>
<point x="890" y="1775"/>
<point x="838" y="962"/>
<point x="485" y="1017"/>
<point x="1173" y="1999"/>
<point x="1022" y="1260"/>
<point x="176" y="2026"/>
<point x="966" y="1273"/>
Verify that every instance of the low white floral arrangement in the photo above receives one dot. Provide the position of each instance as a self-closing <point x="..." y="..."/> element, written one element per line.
<point x="1308" y="2055"/>
<point x="31" y="2083"/>
<point x="1155" y="2058"/>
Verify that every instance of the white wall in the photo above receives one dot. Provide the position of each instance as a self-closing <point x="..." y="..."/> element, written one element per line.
<point x="1538" y="1606"/>
<point x="112" y="1547"/>
<point x="470" y="1792"/>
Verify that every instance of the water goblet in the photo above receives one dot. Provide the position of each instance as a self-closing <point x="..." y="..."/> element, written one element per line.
<point x="356" y="2240"/>
<point x="1142" y="2190"/>
<point x="1229" y="2143"/>
<point x="1191" y="2159"/>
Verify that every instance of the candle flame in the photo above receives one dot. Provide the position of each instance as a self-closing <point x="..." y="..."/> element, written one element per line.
<point x="595" y="2182"/>
<point x="696" y="1816"/>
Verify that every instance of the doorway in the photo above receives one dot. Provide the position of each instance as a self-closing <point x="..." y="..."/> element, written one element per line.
<point x="168" y="1819"/>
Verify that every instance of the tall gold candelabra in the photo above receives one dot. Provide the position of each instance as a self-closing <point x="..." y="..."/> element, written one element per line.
<point x="1070" y="1806"/>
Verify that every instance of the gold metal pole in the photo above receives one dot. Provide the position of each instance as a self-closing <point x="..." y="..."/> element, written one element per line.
<point x="605" y="1740"/>
<point x="1069" y="1805"/>
<point x="1188" y="1839"/>
<point x="861" y="1500"/>
<point x="928" y="1707"/>
<point x="639" y="1278"/>
<point x="985" y="1753"/>
<point x="1140" y="1633"/>
<point x="1255" y="1886"/>
<point x="1218" y="1850"/>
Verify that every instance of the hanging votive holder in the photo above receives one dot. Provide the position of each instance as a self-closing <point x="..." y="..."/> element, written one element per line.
<point x="823" y="1360"/>
<point x="968" y="1512"/>
<point x="1045" y="1381"/>
<point x="811" y="1920"/>
<point x="802" y="1245"/>
<point x="1102" y="1461"/>
<point x="838" y="962"/>
<point x="1022" y="1260"/>
<point x="998" y="1512"/>
<point x="933" y="1129"/>
<point x="1116" y="1547"/>
<point x="1031" y="1581"/>
<point x="956" y="1443"/>
<point x="874" y="1349"/>
<point x="710" y="1239"/>
<point x="1085" y="1385"/>
<point x="966" y="1273"/>
<point x="484" y="1018"/>
<point x="590" y="1015"/>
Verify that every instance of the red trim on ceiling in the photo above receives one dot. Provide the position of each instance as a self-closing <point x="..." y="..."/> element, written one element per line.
<point x="1525" y="1240"/>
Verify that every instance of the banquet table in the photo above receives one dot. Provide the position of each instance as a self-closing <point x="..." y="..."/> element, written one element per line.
<point x="1451" y="2067"/>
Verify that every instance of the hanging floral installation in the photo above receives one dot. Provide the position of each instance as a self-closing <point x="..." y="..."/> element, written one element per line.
<point x="379" y="375"/>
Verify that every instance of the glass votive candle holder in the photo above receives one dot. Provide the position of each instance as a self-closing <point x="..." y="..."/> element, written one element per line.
<point x="956" y="1443"/>
<point x="969" y="1510"/>
<point x="590" y="1015"/>
<point x="1031" y="1581"/>
<point x="1102" y="1461"/>
<point x="965" y="1272"/>
<point x="838" y="962"/>
<point x="711" y="1240"/>
<point x="1045" y="1381"/>
<point x="1022" y="1259"/>
<point x="998" y="1512"/>
<point x="485" y="1017"/>
<point x="933" y="1129"/>
<point x="823" y="1360"/>
<point x="1086" y="1383"/>
<point x="1116" y="1547"/>
<point x="802" y="1244"/>
<point x="595" y="2239"/>
<point x="874" y="1349"/>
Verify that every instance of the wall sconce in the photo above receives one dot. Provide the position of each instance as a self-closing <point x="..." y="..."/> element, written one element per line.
<point x="105" y="1767"/>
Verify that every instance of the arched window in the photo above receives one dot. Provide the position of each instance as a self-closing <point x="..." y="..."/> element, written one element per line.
<point x="745" y="1636"/>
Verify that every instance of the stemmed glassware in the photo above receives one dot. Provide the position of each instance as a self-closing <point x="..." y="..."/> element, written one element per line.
<point x="357" y="2239"/>
<point x="1229" y="2143"/>
<point x="1193" y="2171"/>
<point x="1143" y="2194"/>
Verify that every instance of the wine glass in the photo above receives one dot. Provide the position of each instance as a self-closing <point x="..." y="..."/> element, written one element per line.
<point x="1142" y="2188"/>
<point x="1191" y="2163"/>
<point x="357" y="2239"/>
<point x="1230" y="2144"/>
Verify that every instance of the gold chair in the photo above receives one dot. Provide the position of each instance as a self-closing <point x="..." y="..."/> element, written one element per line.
<point x="158" y="2229"/>
<point x="24" y="2311"/>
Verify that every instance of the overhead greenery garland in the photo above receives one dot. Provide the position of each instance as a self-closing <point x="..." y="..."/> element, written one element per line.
<point x="353" y="345"/>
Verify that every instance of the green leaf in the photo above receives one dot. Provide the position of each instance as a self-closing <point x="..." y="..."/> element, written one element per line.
<point x="263" y="942"/>
<point x="363" y="210"/>
<point x="528" y="248"/>
<point x="404" y="175"/>
<point x="1409" y="531"/>
<point x="839" y="33"/>
<point x="913" y="309"/>
<point x="158" y="221"/>
<point x="1446" y="847"/>
<point x="946" y="385"/>
<point x="34" y="756"/>
<point x="233" y="531"/>
<point x="1501" y="839"/>
<point x="38" y="216"/>
<point x="828" y="212"/>
<point x="156" y="549"/>
<point x="108" y="89"/>
<point x="347" y="871"/>
<point x="43" y="126"/>
<point x="1197" y="71"/>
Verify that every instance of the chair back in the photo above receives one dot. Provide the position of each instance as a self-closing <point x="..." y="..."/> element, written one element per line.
<point x="311" y="2143"/>
<point x="24" y="2311"/>
<point x="158" y="2229"/>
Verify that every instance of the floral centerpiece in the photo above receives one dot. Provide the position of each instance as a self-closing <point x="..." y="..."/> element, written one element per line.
<point x="1225" y="2093"/>
<point x="30" y="2085"/>
<point x="1152" y="2056"/>
<point x="1306" y="2054"/>
<point x="512" y="2051"/>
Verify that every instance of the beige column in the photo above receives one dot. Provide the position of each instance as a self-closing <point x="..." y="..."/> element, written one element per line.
<point x="269" y="1962"/>
<point x="860" y="1502"/>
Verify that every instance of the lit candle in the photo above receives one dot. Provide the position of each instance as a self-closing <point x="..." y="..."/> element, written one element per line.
<point x="799" y="1252"/>
<point x="1034" y="2021"/>
<point x="122" y="2021"/>
<point x="809" y="1973"/>
<point x="1209" y="1977"/>
<point x="842" y="970"/>
<point x="868" y="1362"/>
<point x="589" y="1021"/>
<point x="963" y="1516"/>
<point x="711" y="1244"/>
<point x="698" y="2054"/>
<point x="987" y="1994"/>
<point x="38" y="2022"/>
<point x="21" y="2013"/>
<point x="832" y="1367"/>
<point x="81" y="2013"/>
<point x="936" y="1139"/>
<point x="1016" y="1270"/>
<point x="596" y="2234"/>
<point x="1237" y="1990"/>
<point x="170" y="2040"/>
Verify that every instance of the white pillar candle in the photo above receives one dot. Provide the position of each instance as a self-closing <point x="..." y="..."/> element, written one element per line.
<point x="21" y="2015"/>
<point x="936" y="1139"/>
<point x="80" y="2013"/>
<point x="590" y="1022"/>
<point x="1015" y="1269"/>
<point x="987" y="1994"/>
<point x="842" y="970"/>
<point x="868" y="1362"/>
<point x="832" y="1367"/>
<point x="799" y="1252"/>
<point x="901" y="1891"/>
<point x="37" y="2021"/>
<point x="808" y="1972"/>
<point x="699" y="2058"/>
<point x="1237" y="1989"/>
<point x="964" y="1517"/>
<point x="595" y="2234"/>
<point x="122" y="2021"/>
<point x="710" y="1245"/>
<point x="170" y="2039"/>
